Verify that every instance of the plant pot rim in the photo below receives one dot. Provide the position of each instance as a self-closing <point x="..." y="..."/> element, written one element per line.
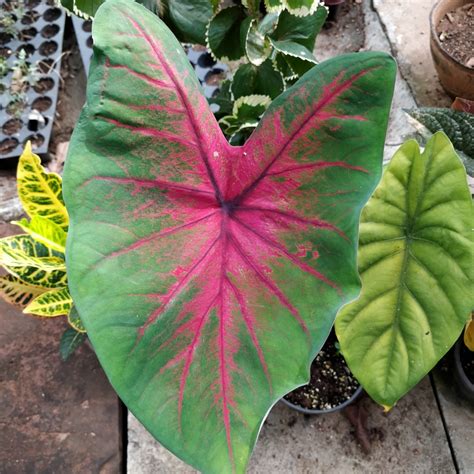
<point x="434" y="36"/>
<point x="467" y="385"/>
<point x="308" y="411"/>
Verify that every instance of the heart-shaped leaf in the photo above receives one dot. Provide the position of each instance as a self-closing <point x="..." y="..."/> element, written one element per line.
<point x="208" y="276"/>
<point x="415" y="261"/>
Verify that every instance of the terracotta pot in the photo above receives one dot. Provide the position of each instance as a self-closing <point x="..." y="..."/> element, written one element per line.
<point x="456" y="78"/>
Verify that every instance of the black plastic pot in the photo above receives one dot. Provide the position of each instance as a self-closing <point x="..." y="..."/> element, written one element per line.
<point x="465" y="386"/>
<point x="355" y="396"/>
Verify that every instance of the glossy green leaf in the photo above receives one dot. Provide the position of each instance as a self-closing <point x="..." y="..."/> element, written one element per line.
<point x="70" y="341"/>
<point x="274" y="6"/>
<point x="262" y="80"/>
<point x="224" y="36"/>
<point x="188" y="19"/>
<point x="294" y="39"/>
<point x="415" y="261"/>
<point x="45" y="231"/>
<point x="193" y="262"/>
<point x="52" y="303"/>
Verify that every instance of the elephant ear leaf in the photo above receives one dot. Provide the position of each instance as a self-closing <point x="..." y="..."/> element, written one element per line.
<point x="192" y="262"/>
<point x="415" y="261"/>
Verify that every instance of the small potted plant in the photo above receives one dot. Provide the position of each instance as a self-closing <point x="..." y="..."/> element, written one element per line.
<point x="332" y="386"/>
<point x="451" y="46"/>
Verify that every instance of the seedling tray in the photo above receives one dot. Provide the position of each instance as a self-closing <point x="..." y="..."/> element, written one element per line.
<point x="209" y="72"/>
<point x="40" y="33"/>
<point x="83" y="30"/>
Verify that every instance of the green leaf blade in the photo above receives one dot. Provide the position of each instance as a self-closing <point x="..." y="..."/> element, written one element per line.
<point x="415" y="261"/>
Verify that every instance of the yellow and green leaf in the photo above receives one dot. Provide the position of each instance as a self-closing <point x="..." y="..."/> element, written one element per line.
<point x="24" y="251"/>
<point x="45" y="231"/>
<point x="40" y="192"/>
<point x="15" y="291"/>
<point x="46" y="279"/>
<point x="53" y="303"/>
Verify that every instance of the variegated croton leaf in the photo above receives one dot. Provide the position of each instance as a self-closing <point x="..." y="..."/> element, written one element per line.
<point x="208" y="276"/>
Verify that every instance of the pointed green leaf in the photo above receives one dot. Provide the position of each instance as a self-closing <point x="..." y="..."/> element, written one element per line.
<point x="45" y="231"/>
<point x="188" y="18"/>
<point x="224" y="33"/>
<point x="16" y="292"/>
<point x="192" y="262"/>
<point x="70" y="341"/>
<point x="57" y="302"/>
<point x="40" y="192"/>
<point x="415" y="261"/>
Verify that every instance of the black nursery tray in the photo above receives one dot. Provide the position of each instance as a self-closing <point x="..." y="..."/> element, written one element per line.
<point x="40" y="34"/>
<point x="209" y="72"/>
<point x="83" y="30"/>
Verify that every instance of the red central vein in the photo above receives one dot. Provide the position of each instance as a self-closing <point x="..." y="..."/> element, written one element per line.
<point x="149" y="132"/>
<point x="325" y="100"/>
<point x="302" y="265"/>
<point x="157" y="235"/>
<point x="149" y="183"/>
<point x="269" y="284"/>
<point x="248" y="319"/>
<point x="295" y="217"/>
<point x="184" y="100"/>
<point x="225" y="235"/>
<point x="320" y="164"/>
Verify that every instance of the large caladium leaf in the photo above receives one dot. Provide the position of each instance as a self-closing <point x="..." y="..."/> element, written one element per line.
<point x="415" y="261"/>
<point x="208" y="276"/>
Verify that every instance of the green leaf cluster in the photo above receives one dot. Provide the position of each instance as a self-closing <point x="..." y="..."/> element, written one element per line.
<point x="275" y="48"/>
<point x="273" y="39"/>
<point x="35" y="259"/>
